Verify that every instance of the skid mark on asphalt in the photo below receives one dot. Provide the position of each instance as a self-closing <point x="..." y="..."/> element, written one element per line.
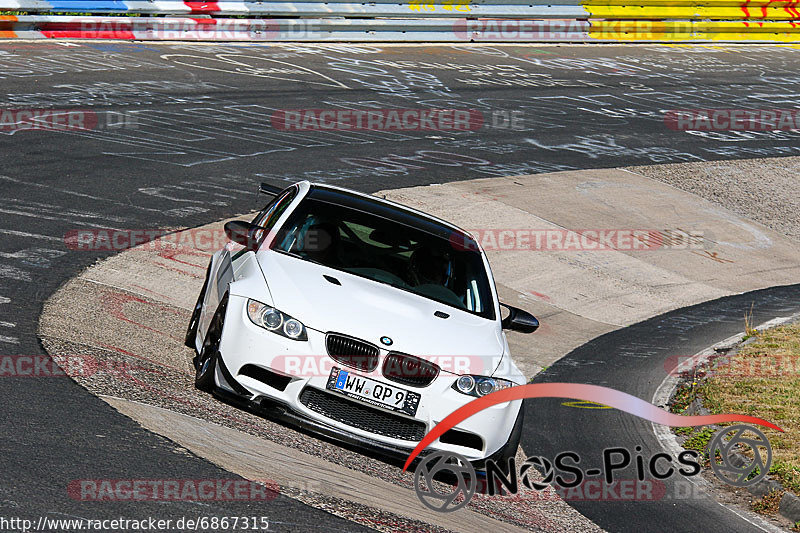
<point x="39" y="216"/>
<point x="25" y="234"/>
<point x="51" y="189"/>
<point x="7" y="325"/>
<point x="55" y="211"/>
<point x="248" y="66"/>
<point x="35" y="257"/>
<point x="14" y="273"/>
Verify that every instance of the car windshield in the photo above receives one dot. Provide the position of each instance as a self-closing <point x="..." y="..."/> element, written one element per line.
<point x="406" y="256"/>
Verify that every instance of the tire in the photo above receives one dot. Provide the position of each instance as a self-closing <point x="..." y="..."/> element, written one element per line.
<point x="509" y="449"/>
<point x="191" y="330"/>
<point x="206" y="361"/>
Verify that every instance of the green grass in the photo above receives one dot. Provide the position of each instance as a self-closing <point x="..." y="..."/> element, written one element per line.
<point x="763" y="380"/>
<point x="699" y="438"/>
<point x="685" y="394"/>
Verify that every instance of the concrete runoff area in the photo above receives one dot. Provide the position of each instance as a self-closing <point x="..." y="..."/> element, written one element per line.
<point x="132" y="309"/>
<point x="764" y="190"/>
<point x="250" y="458"/>
<point x="582" y="294"/>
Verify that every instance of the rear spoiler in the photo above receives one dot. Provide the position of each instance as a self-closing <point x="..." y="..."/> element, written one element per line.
<point x="266" y="188"/>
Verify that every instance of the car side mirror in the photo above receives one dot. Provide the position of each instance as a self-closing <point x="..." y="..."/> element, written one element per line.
<point x="519" y="320"/>
<point x="244" y="233"/>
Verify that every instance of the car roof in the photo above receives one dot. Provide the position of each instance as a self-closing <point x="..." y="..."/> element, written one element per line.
<point x="385" y="209"/>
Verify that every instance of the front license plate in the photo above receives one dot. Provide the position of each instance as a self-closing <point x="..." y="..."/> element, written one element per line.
<point x="373" y="392"/>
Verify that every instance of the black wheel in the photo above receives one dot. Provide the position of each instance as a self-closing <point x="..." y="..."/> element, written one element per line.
<point x="191" y="331"/>
<point x="206" y="361"/>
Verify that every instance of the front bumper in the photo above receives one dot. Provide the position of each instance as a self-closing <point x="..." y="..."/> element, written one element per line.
<point x="283" y="413"/>
<point x="308" y="366"/>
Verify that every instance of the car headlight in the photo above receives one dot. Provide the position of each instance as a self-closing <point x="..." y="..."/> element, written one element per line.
<point x="273" y="320"/>
<point x="480" y="385"/>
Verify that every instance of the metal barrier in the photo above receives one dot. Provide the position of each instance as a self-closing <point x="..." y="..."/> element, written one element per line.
<point x="407" y="21"/>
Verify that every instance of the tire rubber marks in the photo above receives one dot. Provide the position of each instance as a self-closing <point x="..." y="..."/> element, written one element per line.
<point x="260" y="67"/>
<point x="5" y="339"/>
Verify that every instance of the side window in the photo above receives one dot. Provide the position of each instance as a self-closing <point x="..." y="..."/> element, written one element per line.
<point x="273" y="210"/>
<point x="267" y="217"/>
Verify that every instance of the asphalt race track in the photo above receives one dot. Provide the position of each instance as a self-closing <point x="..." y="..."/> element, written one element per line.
<point x="179" y="135"/>
<point x="636" y="360"/>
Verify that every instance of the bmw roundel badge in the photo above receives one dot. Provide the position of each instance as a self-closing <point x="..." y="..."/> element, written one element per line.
<point x="386" y="341"/>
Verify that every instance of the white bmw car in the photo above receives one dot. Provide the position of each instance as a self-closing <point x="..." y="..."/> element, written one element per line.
<point x="359" y="319"/>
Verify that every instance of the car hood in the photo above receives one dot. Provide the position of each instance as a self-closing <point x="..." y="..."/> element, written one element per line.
<point x="369" y="310"/>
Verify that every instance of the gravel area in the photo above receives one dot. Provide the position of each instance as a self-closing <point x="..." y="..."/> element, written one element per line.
<point x="158" y="372"/>
<point x="765" y="190"/>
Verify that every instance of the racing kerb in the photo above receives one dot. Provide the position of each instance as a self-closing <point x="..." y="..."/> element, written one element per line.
<point x="130" y="310"/>
<point x="406" y="21"/>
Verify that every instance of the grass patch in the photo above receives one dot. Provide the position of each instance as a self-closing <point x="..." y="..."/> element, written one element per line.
<point x="769" y="504"/>
<point x="764" y="380"/>
<point x="698" y="439"/>
<point x="749" y="329"/>
<point x="684" y="395"/>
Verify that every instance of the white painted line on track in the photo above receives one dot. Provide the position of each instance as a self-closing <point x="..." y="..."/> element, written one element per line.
<point x="30" y="235"/>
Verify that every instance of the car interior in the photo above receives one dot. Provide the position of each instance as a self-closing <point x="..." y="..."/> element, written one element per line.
<point x="385" y="251"/>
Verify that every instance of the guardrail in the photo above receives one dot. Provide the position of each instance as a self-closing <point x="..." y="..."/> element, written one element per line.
<point x="408" y="21"/>
<point x="311" y="29"/>
<point x="344" y="8"/>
